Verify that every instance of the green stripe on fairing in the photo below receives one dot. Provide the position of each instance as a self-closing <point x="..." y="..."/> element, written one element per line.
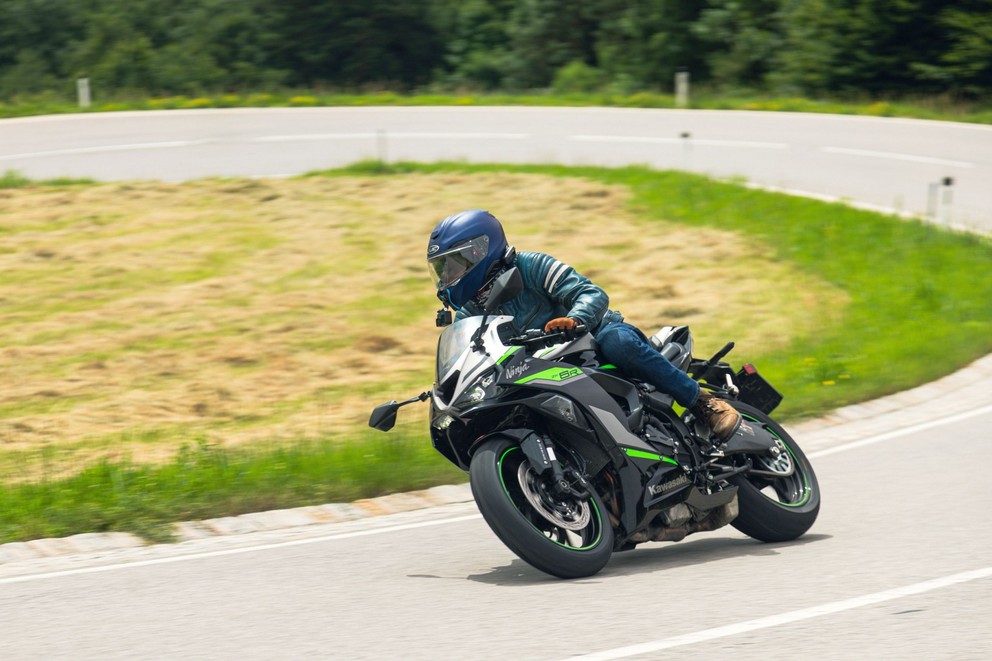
<point x="806" y="490"/>
<point x="641" y="454"/>
<point x="552" y="374"/>
<point x="509" y="353"/>
<point x="607" y="367"/>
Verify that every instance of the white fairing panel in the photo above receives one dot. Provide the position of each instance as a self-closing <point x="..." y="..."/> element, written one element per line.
<point x="455" y="353"/>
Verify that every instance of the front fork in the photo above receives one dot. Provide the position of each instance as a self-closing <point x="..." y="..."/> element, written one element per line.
<point x="541" y="454"/>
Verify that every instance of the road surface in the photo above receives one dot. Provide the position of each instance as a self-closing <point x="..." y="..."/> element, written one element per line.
<point x="898" y="566"/>
<point x="891" y="163"/>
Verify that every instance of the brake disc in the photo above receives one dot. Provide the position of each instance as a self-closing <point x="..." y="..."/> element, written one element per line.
<point x="570" y="514"/>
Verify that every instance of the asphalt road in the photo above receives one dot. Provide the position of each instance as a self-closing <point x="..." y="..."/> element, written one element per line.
<point x="898" y="566"/>
<point x="884" y="162"/>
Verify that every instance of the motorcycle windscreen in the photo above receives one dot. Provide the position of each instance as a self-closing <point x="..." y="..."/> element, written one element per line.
<point x="452" y="344"/>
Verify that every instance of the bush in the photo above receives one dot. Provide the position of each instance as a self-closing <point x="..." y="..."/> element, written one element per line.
<point x="578" y="76"/>
<point x="199" y="102"/>
<point x="13" y="179"/>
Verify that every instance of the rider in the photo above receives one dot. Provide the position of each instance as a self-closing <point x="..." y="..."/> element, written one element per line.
<point x="468" y="251"/>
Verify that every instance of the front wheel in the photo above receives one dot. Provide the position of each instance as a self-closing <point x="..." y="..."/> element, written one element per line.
<point x="563" y="536"/>
<point x="780" y="500"/>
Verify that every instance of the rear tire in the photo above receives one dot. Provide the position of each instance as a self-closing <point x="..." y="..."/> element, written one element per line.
<point x="564" y="537"/>
<point x="779" y="509"/>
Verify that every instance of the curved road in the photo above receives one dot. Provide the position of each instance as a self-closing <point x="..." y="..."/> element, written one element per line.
<point x="884" y="162"/>
<point x="899" y="564"/>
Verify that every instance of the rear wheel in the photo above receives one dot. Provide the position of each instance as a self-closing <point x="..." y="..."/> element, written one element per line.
<point x="780" y="499"/>
<point x="565" y="536"/>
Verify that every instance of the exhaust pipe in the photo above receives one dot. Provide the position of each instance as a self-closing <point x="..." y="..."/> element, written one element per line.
<point x="716" y="518"/>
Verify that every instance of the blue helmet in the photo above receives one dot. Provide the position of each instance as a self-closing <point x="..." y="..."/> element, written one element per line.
<point x="464" y="253"/>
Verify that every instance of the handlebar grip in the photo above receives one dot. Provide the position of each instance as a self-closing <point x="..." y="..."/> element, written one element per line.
<point x="578" y="331"/>
<point x="536" y="335"/>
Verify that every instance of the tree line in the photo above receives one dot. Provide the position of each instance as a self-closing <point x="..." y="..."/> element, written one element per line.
<point x="803" y="47"/>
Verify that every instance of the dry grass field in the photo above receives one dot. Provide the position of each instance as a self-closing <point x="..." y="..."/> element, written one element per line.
<point x="138" y="317"/>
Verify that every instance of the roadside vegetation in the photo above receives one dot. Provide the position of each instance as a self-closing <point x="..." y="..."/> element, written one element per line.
<point x="912" y="58"/>
<point x="183" y="351"/>
<point x="934" y="108"/>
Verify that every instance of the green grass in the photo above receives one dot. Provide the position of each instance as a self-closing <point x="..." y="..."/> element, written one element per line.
<point x="14" y="179"/>
<point x="918" y="309"/>
<point x="203" y="481"/>
<point x="939" y="108"/>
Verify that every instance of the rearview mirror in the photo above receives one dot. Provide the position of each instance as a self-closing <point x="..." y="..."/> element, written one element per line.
<point x="506" y="287"/>
<point x="384" y="416"/>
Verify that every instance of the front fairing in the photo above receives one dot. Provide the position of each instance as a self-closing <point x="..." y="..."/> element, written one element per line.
<point x="460" y="364"/>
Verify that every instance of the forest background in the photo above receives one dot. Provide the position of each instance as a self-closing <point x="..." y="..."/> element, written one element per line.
<point x="838" y="48"/>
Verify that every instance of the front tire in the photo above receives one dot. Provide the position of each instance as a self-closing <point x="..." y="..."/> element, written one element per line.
<point x="776" y="509"/>
<point x="564" y="537"/>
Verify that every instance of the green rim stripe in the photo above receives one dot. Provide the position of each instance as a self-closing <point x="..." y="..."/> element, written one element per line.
<point x="807" y="492"/>
<point x="599" y="517"/>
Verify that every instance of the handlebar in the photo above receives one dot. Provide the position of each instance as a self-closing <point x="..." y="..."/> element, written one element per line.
<point x="537" y="338"/>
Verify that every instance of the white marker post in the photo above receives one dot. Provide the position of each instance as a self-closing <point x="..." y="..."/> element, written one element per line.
<point x="83" y="92"/>
<point x="686" y="150"/>
<point x="381" y="146"/>
<point x="682" y="88"/>
<point x="945" y="200"/>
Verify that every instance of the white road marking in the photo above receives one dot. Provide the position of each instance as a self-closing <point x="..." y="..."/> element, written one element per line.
<point x="303" y="137"/>
<point x="898" y="157"/>
<point x="787" y="618"/>
<point x="635" y="139"/>
<point x="105" y="148"/>
<point x="923" y="426"/>
<point x="236" y="551"/>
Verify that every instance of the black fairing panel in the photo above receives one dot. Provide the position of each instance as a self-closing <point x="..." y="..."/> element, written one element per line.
<point x="750" y="439"/>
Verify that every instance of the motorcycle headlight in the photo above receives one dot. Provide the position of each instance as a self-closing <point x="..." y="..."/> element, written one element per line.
<point x="474" y="395"/>
<point x="444" y="421"/>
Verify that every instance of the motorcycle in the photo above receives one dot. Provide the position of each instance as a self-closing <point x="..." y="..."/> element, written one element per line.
<point x="570" y="461"/>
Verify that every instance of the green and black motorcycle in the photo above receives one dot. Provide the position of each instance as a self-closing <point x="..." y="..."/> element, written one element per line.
<point x="570" y="460"/>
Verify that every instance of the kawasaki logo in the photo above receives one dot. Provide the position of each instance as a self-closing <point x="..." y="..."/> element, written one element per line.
<point x="680" y="481"/>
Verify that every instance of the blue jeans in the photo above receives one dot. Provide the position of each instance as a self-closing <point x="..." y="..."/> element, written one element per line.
<point x="627" y="347"/>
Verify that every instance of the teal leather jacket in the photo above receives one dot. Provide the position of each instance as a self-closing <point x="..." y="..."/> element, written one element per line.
<point x="552" y="289"/>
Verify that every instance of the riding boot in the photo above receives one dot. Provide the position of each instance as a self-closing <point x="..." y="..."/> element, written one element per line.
<point x="720" y="416"/>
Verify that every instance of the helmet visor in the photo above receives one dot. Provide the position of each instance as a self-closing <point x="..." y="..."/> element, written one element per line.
<point x="451" y="265"/>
